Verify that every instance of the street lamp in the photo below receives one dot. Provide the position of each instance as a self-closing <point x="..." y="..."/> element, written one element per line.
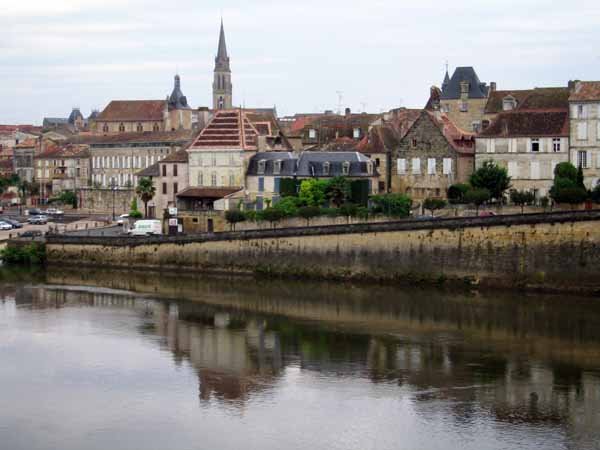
<point x="114" y="190"/>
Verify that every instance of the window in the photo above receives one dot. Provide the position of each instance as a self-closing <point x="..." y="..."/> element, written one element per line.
<point x="582" y="131"/>
<point x="261" y="166"/>
<point x="377" y="162"/>
<point x="140" y="127"/>
<point x="583" y="159"/>
<point x="535" y="170"/>
<point x="535" y="145"/>
<point x="164" y="170"/>
<point x="513" y="169"/>
<point x="174" y="170"/>
<point x="416" y="166"/>
<point x="213" y="179"/>
<point x="261" y="184"/>
<point x="155" y="128"/>
<point x="447" y="166"/>
<point x="356" y="133"/>
<point x="277" y="167"/>
<point x="508" y="103"/>
<point x="464" y="107"/>
<point x="312" y="133"/>
<point x="370" y="167"/>
<point x="121" y="127"/>
<point x="431" y="166"/>
<point x="105" y="128"/>
<point x="345" y="168"/>
<point x="200" y="179"/>
<point x="556" y="145"/>
<point x="164" y="188"/>
<point x="213" y="159"/>
<point x="476" y="126"/>
<point x="414" y="142"/>
<point x="326" y="168"/>
<point x="175" y="188"/>
<point x="231" y="179"/>
<point x="580" y="112"/>
<point x="277" y="185"/>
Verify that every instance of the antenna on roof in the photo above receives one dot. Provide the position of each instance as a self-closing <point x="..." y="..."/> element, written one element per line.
<point x="340" y="95"/>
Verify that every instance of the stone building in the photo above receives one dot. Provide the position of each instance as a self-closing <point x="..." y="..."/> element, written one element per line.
<point x="528" y="134"/>
<point x="75" y="121"/>
<point x="222" y="87"/>
<point x="584" y="104"/>
<point x="463" y="98"/>
<point x="23" y="157"/>
<point x="433" y="155"/>
<point x="264" y="174"/>
<point x="62" y="168"/>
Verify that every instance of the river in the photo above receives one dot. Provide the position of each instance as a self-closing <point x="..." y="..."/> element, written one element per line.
<point x="124" y="361"/>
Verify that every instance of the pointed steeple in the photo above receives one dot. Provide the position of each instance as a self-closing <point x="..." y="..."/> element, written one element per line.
<point x="177" y="100"/>
<point x="222" y="59"/>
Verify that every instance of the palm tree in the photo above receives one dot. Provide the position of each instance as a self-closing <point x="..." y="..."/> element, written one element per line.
<point x="146" y="190"/>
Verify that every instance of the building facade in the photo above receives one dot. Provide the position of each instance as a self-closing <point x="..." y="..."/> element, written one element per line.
<point x="584" y="104"/>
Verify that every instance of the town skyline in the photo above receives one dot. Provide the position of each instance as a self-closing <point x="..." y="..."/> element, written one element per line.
<point x="86" y="56"/>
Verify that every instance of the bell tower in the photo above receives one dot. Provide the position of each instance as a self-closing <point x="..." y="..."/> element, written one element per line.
<point x="222" y="87"/>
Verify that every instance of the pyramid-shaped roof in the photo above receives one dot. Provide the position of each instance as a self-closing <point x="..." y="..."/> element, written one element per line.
<point x="228" y="129"/>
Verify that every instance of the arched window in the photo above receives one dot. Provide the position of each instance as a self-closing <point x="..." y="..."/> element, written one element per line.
<point x="121" y="127"/>
<point x="105" y="128"/>
<point x="140" y="127"/>
<point x="221" y="103"/>
<point x="155" y="127"/>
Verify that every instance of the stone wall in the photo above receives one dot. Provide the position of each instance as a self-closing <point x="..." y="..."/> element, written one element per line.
<point x="559" y="250"/>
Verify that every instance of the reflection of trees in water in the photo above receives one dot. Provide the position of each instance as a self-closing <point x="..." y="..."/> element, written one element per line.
<point x="444" y="348"/>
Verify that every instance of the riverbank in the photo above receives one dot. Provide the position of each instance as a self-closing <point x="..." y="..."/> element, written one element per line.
<point x="556" y="252"/>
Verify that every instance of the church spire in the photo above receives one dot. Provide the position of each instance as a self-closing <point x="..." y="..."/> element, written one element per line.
<point x="222" y="59"/>
<point x="222" y="87"/>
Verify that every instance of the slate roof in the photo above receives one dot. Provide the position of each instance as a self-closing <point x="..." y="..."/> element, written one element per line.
<point x="310" y="164"/>
<point x="180" y="156"/>
<point x="228" y="129"/>
<point x="54" y="121"/>
<point x="177" y="100"/>
<point x="222" y="59"/>
<point x="133" y="111"/>
<point x="151" y="171"/>
<point x="528" y="124"/>
<point x="586" y="91"/>
<point x="288" y="163"/>
<point x="451" y="89"/>
<point x="530" y="99"/>
<point x="208" y="192"/>
<point x="74" y="116"/>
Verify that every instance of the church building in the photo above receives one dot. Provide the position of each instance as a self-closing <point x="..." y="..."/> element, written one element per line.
<point x="222" y="87"/>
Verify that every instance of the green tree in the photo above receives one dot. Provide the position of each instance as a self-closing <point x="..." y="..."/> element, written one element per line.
<point x="146" y="191"/>
<point x="492" y="177"/>
<point x="308" y="212"/>
<point x="477" y="197"/>
<point x="395" y="205"/>
<point x="68" y="198"/>
<point x="456" y="192"/>
<point x="544" y="202"/>
<point x="234" y="217"/>
<point x="134" y="213"/>
<point x="433" y="204"/>
<point x="580" y="178"/>
<point x="522" y="198"/>
<point x="566" y="170"/>
<point x="596" y="194"/>
<point x="568" y="185"/>
<point x="312" y="192"/>
<point x="288" y="206"/>
<point x="272" y="215"/>
<point x="338" y="191"/>
<point x="571" y="195"/>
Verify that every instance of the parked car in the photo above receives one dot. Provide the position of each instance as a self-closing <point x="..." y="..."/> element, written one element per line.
<point x="54" y="212"/>
<point x="122" y="219"/>
<point x="31" y="234"/>
<point x="34" y="212"/>
<point x="146" y="228"/>
<point x="5" y="226"/>
<point x="38" y="220"/>
<point x="14" y="223"/>
<point x="487" y="214"/>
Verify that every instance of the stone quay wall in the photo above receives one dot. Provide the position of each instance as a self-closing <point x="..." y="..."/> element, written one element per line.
<point x="552" y="251"/>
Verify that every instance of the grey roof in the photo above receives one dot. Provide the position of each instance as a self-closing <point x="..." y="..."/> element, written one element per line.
<point x="222" y="59"/>
<point x="288" y="163"/>
<point x="95" y="113"/>
<point x="311" y="164"/>
<point x="55" y="121"/>
<point x="75" y="115"/>
<point x="451" y="90"/>
<point x="150" y="171"/>
<point x="177" y="100"/>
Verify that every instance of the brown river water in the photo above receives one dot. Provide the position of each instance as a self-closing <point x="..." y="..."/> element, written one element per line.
<point x="126" y="361"/>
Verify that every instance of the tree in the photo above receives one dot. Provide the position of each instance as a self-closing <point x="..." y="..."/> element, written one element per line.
<point x="272" y="215"/>
<point x="492" y="177"/>
<point x="146" y="190"/>
<point x="288" y="206"/>
<point x="522" y="198"/>
<point x="571" y="195"/>
<point x="565" y="170"/>
<point x="234" y="217"/>
<point x="477" y="197"/>
<point x="338" y="191"/>
<point x="568" y="185"/>
<point x="308" y="212"/>
<point x="312" y="192"/>
<point x="433" y="204"/>
<point x="544" y="202"/>
<point x="396" y="205"/>
<point x="596" y="194"/>
<point x="134" y="213"/>
<point x="456" y="192"/>
<point x="68" y="198"/>
<point x="579" y="179"/>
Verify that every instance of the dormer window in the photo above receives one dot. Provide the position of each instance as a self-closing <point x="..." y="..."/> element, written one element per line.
<point x="535" y="145"/>
<point x="261" y="166"/>
<point x="312" y="133"/>
<point x="277" y="167"/>
<point x="345" y="167"/>
<point x="326" y="168"/>
<point x="509" y="103"/>
<point x="121" y="127"/>
<point x="356" y="133"/>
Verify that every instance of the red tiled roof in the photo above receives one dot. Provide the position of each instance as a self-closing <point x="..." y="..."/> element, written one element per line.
<point x="528" y="123"/>
<point x="27" y="143"/>
<point x="228" y="129"/>
<point x="23" y="128"/>
<point x="586" y="91"/>
<point x="208" y="192"/>
<point x="133" y="111"/>
<point x="65" y="151"/>
<point x="530" y="99"/>
<point x="180" y="156"/>
<point x="124" y="138"/>
<point x="6" y="164"/>
<point x="380" y="139"/>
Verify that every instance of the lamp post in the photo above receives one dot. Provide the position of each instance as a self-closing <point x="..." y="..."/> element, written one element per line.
<point x="114" y="190"/>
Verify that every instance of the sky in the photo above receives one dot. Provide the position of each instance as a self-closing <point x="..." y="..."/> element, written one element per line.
<point x="379" y="54"/>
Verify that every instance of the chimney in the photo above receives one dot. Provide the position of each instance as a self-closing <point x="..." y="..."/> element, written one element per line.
<point x="493" y="86"/>
<point x="348" y="112"/>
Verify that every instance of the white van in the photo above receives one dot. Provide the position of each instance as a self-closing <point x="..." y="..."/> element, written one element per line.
<point x="146" y="228"/>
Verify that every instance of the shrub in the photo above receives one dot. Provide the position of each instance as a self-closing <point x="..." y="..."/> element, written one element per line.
<point x="491" y="177"/>
<point x="544" y="202"/>
<point x="233" y="217"/>
<point x="250" y="215"/>
<point x="308" y="212"/>
<point x="566" y="170"/>
<point x="348" y="210"/>
<point x="272" y="215"/>
<point x="572" y="195"/>
<point x="456" y="192"/>
<point x="288" y="206"/>
<point x="32" y="254"/>
<point x="338" y="191"/>
<point x="330" y="212"/>
<point x="477" y="197"/>
<point x="359" y="192"/>
<point x="362" y="213"/>
<point x="396" y="205"/>
<point x="312" y="192"/>
<point x="522" y="198"/>
<point x="596" y="194"/>
<point x="433" y="204"/>
<point x="289" y="187"/>
<point x="134" y="213"/>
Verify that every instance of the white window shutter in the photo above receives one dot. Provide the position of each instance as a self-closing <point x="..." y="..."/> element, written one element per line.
<point x="588" y="162"/>
<point x="431" y="166"/>
<point x="582" y="131"/>
<point x="401" y="166"/>
<point x="535" y="170"/>
<point x="416" y="166"/>
<point x="447" y="166"/>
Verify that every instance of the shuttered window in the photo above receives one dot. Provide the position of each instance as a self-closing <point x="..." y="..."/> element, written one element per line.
<point x="431" y="166"/>
<point x="447" y="166"/>
<point x="416" y="166"/>
<point x="401" y="166"/>
<point x="582" y="131"/>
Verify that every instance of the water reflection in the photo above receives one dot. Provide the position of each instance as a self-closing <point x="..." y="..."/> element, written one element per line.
<point x="530" y="366"/>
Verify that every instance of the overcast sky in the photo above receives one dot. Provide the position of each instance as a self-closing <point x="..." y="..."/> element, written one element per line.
<point x="56" y="54"/>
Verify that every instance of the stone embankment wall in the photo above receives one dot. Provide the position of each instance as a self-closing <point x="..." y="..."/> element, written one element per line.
<point x="560" y="250"/>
